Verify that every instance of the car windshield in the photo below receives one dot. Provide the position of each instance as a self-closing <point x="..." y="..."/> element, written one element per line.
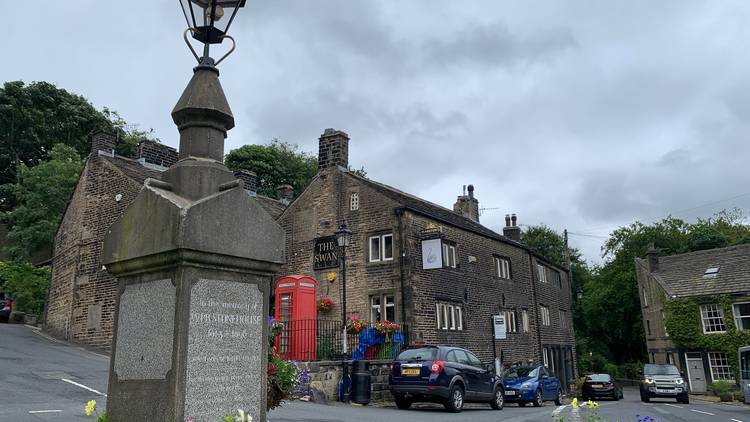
<point x="598" y="378"/>
<point x="522" y="372"/>
<point x="425" y="353"/>
<point x="660" y="370"/>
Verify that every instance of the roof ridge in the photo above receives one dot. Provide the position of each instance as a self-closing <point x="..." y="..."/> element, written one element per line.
<point x="707" y="251"/>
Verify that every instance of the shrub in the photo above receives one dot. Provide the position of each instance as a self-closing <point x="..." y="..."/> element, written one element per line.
<point x="720" y="388"/>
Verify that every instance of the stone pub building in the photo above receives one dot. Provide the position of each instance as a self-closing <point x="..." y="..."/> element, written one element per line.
<point x="436" y="270"/>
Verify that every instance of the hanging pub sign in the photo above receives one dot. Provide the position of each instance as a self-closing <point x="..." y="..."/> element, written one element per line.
<point x="432" y="254"/>
<point x="326" y="253"/>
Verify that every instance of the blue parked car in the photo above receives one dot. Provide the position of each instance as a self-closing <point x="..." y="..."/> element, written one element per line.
<point x="447" y="375"/>
<point x="531" y="384"/>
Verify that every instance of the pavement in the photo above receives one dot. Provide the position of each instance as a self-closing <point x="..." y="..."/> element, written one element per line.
<point x="42" y="379"/>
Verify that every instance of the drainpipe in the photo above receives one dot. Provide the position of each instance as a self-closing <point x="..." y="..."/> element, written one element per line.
<point x="536" y="310"/>
<point x="402" y="249"/>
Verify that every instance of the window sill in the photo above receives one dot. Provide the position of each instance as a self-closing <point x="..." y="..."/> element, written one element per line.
<point x="714" y="332"/>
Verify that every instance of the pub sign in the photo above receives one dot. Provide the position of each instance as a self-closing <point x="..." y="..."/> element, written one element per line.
<point x="326" y="253"/>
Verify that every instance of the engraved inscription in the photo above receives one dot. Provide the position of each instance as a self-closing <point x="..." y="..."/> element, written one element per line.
<point x="224" y="361"/>
<point x="145" y="327"/>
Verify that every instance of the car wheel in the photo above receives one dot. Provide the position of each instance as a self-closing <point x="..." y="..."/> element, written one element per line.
<point x="402" y="403"/>
<point x="498" y="400"/>
<point x="685" y="400"/>
<point x="538" y="400"/>
<point x="558" y="399"/>
<point x="455" y="401"/>
<point x="615" y="396"/>
<point x="644" y="398"/>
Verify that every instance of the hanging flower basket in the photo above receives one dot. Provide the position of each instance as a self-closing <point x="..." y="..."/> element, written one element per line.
<point x="325" y="305"/>
<point x="354" y="325"/>
<point x="385" y="327"/>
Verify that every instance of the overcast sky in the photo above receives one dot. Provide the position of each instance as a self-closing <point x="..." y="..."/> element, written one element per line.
<point x="580" y="115"/>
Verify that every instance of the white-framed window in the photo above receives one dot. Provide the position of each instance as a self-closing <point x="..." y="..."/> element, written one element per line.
<point x="712" y="317"/>
<point x="381" y="248"/>
<point x="541" y="272"/>
<point x="502" y="267"/>
<point x="545" y="356"/>
<point x="354" y="201"/>
<point x="741" y="315"/>
<point x="563" y="319"/>
<point x="449" y="316"/>
<point x="511" y="325"/>
<point x="720" y="368"/>
<point x="645" y="297"/>
<point x="449" y="255"/>
<point x="544" y="313"/>
<point x="382" y="306"/>
<point x="525" y="320"/>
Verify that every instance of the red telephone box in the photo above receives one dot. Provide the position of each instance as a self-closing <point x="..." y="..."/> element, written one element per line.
<point x="297" y="308"/>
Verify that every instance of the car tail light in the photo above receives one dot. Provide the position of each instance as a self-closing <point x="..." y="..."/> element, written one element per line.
<point x="391" y="366"/>
<point x="437" y="366"/>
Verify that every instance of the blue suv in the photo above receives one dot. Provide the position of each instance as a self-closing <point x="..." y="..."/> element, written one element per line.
<point x="531" y="384"/>
<point x="448" y="375"/>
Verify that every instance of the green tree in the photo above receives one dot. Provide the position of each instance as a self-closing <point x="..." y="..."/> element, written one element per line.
<point x="546" y="242"/>
<point x="36" y="116"/>
<point x="42" y="192"/>
<point x="26" y="283"/>
<point x="276" y="163"/>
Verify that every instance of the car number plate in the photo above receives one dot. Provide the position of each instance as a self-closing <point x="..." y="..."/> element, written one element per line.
<point x="661" y="390"/>
<point x="510" y="393"/>
<point x="596" y="385"/>
<point x="410" y="372"/>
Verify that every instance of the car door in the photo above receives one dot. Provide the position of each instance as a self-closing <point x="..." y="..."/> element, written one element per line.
<point x="486" y="377"/>
<point x="545" y="383"/>
<point x="471" y="376"/>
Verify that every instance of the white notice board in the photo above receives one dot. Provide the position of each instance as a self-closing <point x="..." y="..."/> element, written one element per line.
<point x="432" y="254"/>
<point x="498" y="321"/>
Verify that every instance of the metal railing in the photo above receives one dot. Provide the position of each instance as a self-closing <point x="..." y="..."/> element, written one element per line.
<point x="320" y="340"/>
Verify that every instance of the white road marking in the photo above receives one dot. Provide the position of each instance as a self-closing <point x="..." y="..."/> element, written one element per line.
<point x="45" y="411"/>
<point x="673" y="405"/>
<point x="735" y="420"/>
<point x="559" y="409"/>
<point x="700" y="411"/>
<point x="84" y="387"/>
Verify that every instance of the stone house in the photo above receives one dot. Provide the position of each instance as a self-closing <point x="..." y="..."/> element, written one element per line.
<point x="448" y="297"/>
<point x="712" y="289"/>
<point x="81" y="295"/>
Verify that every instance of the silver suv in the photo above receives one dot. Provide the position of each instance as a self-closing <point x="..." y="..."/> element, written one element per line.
<point x="662" y="380"/>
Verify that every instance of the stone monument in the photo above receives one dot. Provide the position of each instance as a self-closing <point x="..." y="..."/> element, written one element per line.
<point x="194" y="255"/>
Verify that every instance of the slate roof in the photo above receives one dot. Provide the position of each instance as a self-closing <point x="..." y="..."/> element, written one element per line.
<point x="682" y="275"/>
<point x="440" y="213"/>
<point x="272" y="206"/>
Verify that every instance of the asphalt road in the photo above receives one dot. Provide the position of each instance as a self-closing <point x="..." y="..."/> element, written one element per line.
<point x="45" y="380"/>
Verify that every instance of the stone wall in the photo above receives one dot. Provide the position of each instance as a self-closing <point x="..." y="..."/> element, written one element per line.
<point x="325" y="376"/>
<point x="81" y="300"/>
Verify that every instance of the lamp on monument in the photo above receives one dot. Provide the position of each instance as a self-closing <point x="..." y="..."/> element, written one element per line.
<point x="209" y="21"/>
<point x="343" y="235"/>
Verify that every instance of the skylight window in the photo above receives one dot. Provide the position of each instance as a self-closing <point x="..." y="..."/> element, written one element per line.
<point x="711" y="272"/>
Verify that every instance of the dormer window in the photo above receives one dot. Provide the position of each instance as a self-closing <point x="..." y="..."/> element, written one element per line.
<point x="711" y="272"/>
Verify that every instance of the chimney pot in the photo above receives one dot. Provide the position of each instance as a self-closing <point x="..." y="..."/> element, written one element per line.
<point x="507" y="220"/>
<point x="511" y="230"/>
<point x="513" y="220"/>
<point x="471" y="191"/>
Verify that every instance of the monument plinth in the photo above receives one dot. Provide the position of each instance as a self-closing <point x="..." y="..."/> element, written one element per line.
<point x="194" y="256"/>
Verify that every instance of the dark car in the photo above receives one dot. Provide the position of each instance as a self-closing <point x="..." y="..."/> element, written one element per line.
<point x="531" y="384"/>
<point x="6" y="306"/>
<point x="440" y="374"/>
<point x="662" y="380"/>
<point x="596" y="386"/>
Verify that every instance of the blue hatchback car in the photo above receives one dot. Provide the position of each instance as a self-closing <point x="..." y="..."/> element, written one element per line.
<point x="531" y="384"/>
<point x="447" y="375"/>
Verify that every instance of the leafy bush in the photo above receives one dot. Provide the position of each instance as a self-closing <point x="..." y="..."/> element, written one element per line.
<point x="26" y="283"/>
<point x="612" y="369"/>
<point x="720" y="388"/>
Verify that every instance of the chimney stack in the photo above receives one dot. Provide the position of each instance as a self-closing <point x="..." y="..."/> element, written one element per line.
<point x="104" y="142"/>
<point x="156" y="153"/>
<point x="511" y="229"/>
<point x="249" y="180"/>
<point x="285" y="194"/>
<point x="652" y="258"/>
<point x="467" y="205"/>
<point x="333" y="149"/>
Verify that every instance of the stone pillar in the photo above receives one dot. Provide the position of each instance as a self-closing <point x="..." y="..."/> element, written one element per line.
<point x="190" y="336"/>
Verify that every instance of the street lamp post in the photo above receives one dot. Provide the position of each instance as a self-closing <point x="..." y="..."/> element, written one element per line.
<point x="343" y="237"/>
